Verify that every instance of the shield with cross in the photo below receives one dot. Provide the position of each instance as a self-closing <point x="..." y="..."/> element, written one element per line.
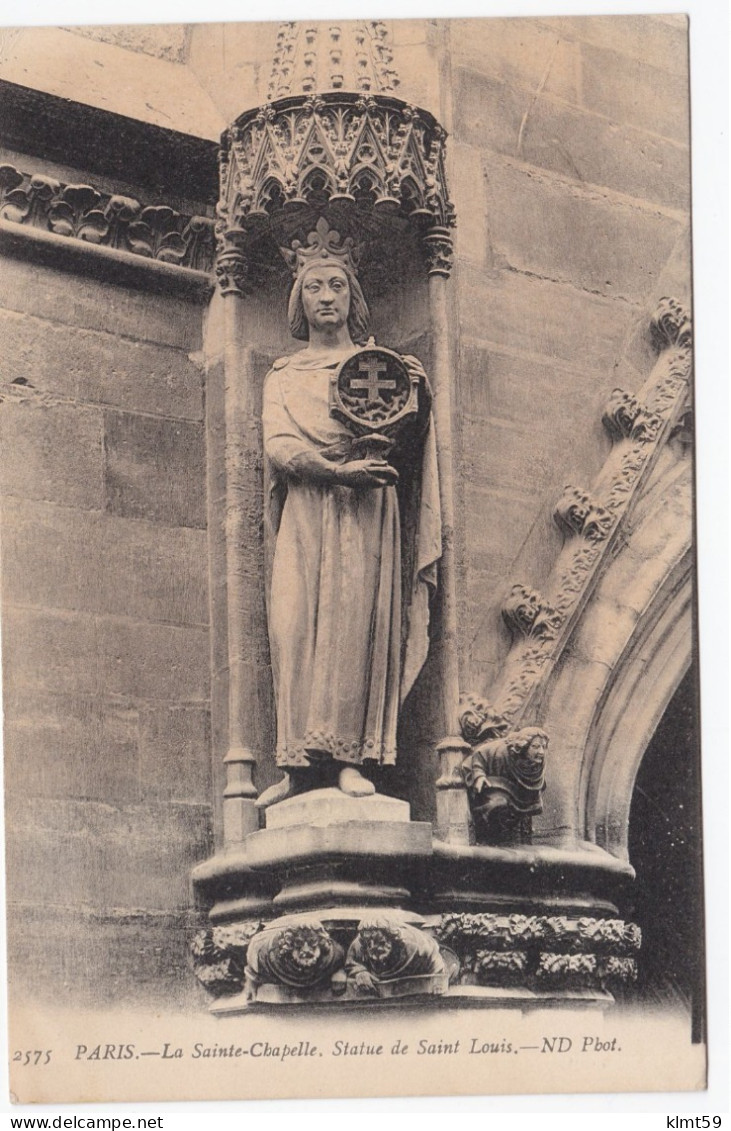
<point x="374" y="393"/>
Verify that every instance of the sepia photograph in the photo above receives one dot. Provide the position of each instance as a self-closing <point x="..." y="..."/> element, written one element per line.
<point x="349" y="607"/>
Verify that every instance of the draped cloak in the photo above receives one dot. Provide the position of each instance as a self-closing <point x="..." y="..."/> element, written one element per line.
<point x="351" y="578"/>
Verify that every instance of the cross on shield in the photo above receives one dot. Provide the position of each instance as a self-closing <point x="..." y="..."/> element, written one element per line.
<point x="373" y="392"/>
<point x="372" y="368"/>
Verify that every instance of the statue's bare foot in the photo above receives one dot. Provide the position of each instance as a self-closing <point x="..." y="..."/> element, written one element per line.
<point x="352" y="782"/>
<point x="280" y="791"/>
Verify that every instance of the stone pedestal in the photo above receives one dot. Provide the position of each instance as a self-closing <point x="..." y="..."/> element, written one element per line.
<point x="345" y="899"/>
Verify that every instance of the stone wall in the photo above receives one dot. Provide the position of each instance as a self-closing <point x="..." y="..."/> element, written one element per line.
<point x="105" y="627"/>
<point x="570" y="176"/>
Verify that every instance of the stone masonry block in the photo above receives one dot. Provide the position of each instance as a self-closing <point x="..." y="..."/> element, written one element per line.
<point x="175" y="753"/>
<point x="468" y="191"/>
<point x="505" y="455"/>
<point x="588" y="148"/>
<point x="634" y="92"/>
<point x="78" y="654"/>
<point x="519" y="52"/>
<point x="558" y="232"/>
<point x="104" y="856"/>
<point x="498" y="524"/>
<point x="510" y="385"/>
<point x="100" y="367"/>
<point x="51" y="451"/>
<point x="72" y="747"/>
<point x="88" y="304"/>
<point x="61" y="558"/>
<point x="582" y="146"/>
<point x="661" y="41"/>
<point x="554" y="321"/>
<point x="155" y="469"/>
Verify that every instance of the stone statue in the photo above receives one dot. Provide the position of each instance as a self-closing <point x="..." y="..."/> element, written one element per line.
<point x="301" y="956"/>
<point x="505" y="778"/>
<point x="357" y="543"/>
<point x="386" y="951"/>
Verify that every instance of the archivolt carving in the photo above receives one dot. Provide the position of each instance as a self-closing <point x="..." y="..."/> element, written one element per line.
<point x="593" y="521"/>
<point x="82" y="212"/>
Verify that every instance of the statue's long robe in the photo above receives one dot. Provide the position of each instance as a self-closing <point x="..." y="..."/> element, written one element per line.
<point x="348" y="633"/>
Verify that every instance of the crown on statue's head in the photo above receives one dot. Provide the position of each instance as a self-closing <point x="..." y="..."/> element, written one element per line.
<point x="324" y="248"/>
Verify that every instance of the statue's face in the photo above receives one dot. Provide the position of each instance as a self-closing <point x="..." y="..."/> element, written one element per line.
<point x="326" y="298"/>
<point x="537" y="747"/>
<point x="306" y="950"/>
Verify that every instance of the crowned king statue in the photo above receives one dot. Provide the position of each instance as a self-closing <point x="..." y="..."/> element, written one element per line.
<point x="351" y="455"/>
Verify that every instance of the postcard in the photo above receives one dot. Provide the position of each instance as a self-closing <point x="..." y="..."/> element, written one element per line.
<point x="350" y="655"/>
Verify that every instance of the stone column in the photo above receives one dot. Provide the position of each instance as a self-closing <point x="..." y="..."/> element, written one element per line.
<point x="244" y="564"/>
<point x="453" y="815"/>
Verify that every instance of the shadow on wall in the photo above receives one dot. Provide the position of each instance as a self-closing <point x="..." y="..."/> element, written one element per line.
<point x="665" y="849"/>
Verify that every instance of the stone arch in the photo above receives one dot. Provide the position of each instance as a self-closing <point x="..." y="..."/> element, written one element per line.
<point x="657" y="657"/>
<point x="624" y="662"/>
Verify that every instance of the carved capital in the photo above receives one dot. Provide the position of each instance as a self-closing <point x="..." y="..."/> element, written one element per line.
<point x="439" y="252"/>
<point x="671" y="325"/>
<point x="232" y="266"/>
<point x="527" y="614"/>
<point x="626" y="418"/>
<point x="577" y="514"/>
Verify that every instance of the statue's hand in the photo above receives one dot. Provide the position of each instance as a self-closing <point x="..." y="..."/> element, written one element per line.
<point x="416" y="369"/>
<point x="366" y="473"/>
<point x="365" y="984"/>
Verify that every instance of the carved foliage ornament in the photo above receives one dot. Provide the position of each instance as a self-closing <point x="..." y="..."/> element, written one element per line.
<point x="527" y="614"/>
<point x="577" y="513"/>
<point x="539" y="949"/>
<point x="82" y="212"/>
<point x="626" y="418"/>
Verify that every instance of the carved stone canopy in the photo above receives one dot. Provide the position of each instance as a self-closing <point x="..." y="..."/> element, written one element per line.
<point x="373" y="165"/>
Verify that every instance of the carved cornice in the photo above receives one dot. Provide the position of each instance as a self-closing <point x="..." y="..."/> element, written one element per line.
<point x="467" y="932"/>
<point x="82" y="213"/>
<point x="594" y="521"/>
<point x="372" y="956"/>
